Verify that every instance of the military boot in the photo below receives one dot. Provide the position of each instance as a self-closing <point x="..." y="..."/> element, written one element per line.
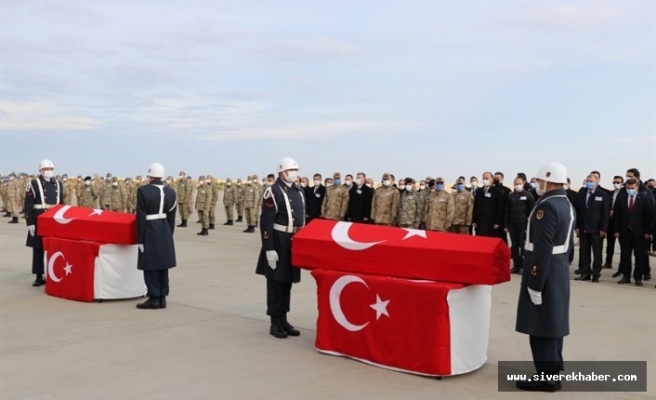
<point x="229" y="223"/>
<point x="39" y="281"/>
<point x="151" y="304"/>
<point x="14" y="220"/>
<point x="162" y="302"/>
<point x="289" y="329"/>
<point x="7" y="214"/>
<point x="204" y="232"/>
<point x="183" y="224"/>
<point x="240" y="219"/>
<point x="277" y="329"/>
<point x="247" y="230"/>
<point x="211" y="226"/>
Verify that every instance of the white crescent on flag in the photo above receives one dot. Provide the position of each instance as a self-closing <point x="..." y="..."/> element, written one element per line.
<point x="341" y="237"/>
<point x="59" y="216"/>
<point x="51" y="266"/>
<point x="336" y="307"/>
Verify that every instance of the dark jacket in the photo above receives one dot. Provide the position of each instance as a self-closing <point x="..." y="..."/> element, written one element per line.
<point x="156" y="235"/>
<point x="314" y="200"/>
<point x="518" y="207"/>
<point x="359" y="206"/>
<point x="53" y="191"/>
<point x="488" y="211"/>
<point x="593" y="215"/>
<point x="639" y="221"/>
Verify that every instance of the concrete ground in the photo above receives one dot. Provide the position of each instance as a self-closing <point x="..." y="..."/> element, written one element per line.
<point x="212" y="341"/>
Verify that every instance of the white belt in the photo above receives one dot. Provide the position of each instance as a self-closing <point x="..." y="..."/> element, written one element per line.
<point x="556" y="249"/>
<point x="155" y="216"/>
<point x="286" y="229"/>
<point x="44" y="207"/>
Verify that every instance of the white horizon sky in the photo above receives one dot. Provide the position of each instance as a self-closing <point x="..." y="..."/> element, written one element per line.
<point x="416" y="88"/>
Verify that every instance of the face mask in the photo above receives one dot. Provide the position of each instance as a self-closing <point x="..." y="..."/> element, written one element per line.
<point x="486" y="182"/>
<point x="291" y="176"/>
<point x="617" y="186"/>
<point x="539" y="190"/>
<point x="229" y="183"/>
<point x="440" y="186"/>
<point x="422" y="187"/>
<point x="65" y="179"/>
<point x="181" y="176"/>
<point x="11" y="178"/>
<point x="628" y="177"/>
<point x="255" y="181"/>
<point x="631" y="192"/>
<point x="303" y="184"/>
<point x="474" y="184"/>
<point x="401" y="187"/>
<point x="114" y="184"/>
<point x="87" y="183"/>
<point x="496" y="181"/>
<point x="336" y="181"/>
<point x="460" y="187"/>
<point x="317" y="183"/>
<point x="329" y="184"/>
<point x="386" y="183"/>
<point x="519" y="188"/>
<point x="358" y="181"/>
<point x="566" y="187"/>
<point x="369" y="185"/>
<point x="201" y="182"/>
<point x="348" y="183"/>
<point x="590" y="185"/>
<point x="534" y="185"/>
<point x="48" y="174"/>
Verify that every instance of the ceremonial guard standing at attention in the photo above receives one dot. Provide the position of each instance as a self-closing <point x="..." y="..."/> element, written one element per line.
<point x="543" y="309"/>
<point x="283" y="214"/>
<point x="156" y="205"/>
<point x="41" y="194"/>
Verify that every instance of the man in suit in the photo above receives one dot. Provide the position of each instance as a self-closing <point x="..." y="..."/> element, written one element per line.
<point x="360" y="197"/>
<point x="505" y="191"/>
<point x="528" y="188"/>
<point x="315" y="198"/>
<point x="592" y="211"/>
<point x="473" y="189"/>
<point x="632" y="216"/>
<point x="618" y="184"/>
<point x="633" y="173"/>
<point x="488" y="211"/>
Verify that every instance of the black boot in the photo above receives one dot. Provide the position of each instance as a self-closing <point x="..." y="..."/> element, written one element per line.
<point x="277" y="329"/>
<point x="252" y="229"/>
<point x="14" y="220"/>
<point x="162" y="302"/>
<point x="255" y="225"/>
<point x="227" y="223"/>
<point x="516" y="270"/>
<point x="247" y="230"/>
<point x="211" y="226"/>
<point x="7" y="214"/>
<point x="199" y="221"/>
<point x="204" y="232"/>
<point x="240" y="219"/>
<point x="183" y="224"/>
<point x="289" y="329"/>
<point x="230" y="223"/>
<point x="39" y="281"/>
<point x="151" y="304"/>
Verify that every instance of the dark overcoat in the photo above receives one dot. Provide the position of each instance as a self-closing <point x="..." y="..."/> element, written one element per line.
<point x="53" y="193"/>
<point x="156" y="235"/>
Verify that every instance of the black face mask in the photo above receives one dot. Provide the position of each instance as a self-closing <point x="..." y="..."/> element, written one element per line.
<point x="496" y="181"/>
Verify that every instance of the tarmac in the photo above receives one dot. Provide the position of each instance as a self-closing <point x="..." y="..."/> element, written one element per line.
<point x="212" y="341"/>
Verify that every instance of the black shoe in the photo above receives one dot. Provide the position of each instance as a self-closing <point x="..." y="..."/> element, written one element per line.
<point x="227" y="223"/>
<point x="277" y="329"/>
<point x="616" y="274"/>
<point x="247" y="230"/>
<point x="230" y="223"/>
<point x="39" y="281"/>
<point x="211" y="226"/>
<point x="646" y="278"/>
<point x="151" y="304"/>
<point x="537" y="386"/>
<point x="595" y="279"/>
<point x="183" y="224"/>
<point x="199" y="221"/>
<point x="608" y="265"/>
<point x="289" y="329"/>
<point x="7" y="215"/>
<point x="638" y="283"/>
<point x="204" y="232"/>
<point x="583" y="278"/>
<point x="255" y="225"/>
<point x="515" y="270"/>
<point x="162" y="302"/>
<point x="252" y="229"/>
<point x="14" y="220"/>
<point x="624" y="280"/>
<point x="240" y="219"/>
<point x="579" y="271"/>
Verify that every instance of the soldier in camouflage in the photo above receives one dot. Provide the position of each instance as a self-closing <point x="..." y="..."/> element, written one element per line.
<point x="14" y="189"/>
<point x="463" y="204"/>
<point x="240" y="201"/>
<point x="100" y="185"/>
<point x="251" y="198"/>
<point x="117" y="200"/>
<point x="214" y="185"/>
<point x="129" y="189"/>
<point x="69" y="189"/>
<point x="335" y="203"/>
<point x="108" y="193"/>
<point x="439" y="209"/>
<point x="385" y="204"/>
<point x="88" y="194"/>
<point x="410" y="214"/>
<point x="203" y="204"/>
<point x="258" y="205"/>
<point x="230" y="198"/>
<point x="3" y="195"/>
<point x="184" y="192"/>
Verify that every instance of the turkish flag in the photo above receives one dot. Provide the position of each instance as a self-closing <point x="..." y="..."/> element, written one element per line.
<point x="399" y="252"/>
<point x="70" y="266"/>
<point x="71" y="222"/>
<point x="421" y="327"/>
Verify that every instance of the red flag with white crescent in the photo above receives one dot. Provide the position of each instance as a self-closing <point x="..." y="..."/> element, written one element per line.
<point x="83" y="223"/>
<point x="69" y="268"/>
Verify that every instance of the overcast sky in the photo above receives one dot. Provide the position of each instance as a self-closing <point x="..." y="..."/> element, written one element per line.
<point x="415" y="88"/>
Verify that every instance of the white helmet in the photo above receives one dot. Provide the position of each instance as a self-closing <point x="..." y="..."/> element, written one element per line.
<point x="286" y="164"/>
<point x="46" y="164"/>
<point x="553" y="172"/>
<point x="156" y="170"/>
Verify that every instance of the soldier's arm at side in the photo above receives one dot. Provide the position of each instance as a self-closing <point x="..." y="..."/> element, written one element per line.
<point x="141" y="218"/>
<point x="396" y="203"/>
<point x="267" y="218"/>
<point x="324" y="205"/>
<point x="28" y="206"/>
<point x="542" y="232"/>
<point x="450" y="211"/>
<point x="345" y="204"/>
<point x="170" y="214"/>
<point x="61" y="198"/>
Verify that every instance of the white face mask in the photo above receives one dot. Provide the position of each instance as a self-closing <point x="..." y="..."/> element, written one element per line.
<point x="348" y="183"/>
<point x="64" y="179"/>
<point x="87" y="183"/>
<point x="114" y="184"/>
<point x="401" y="187"/>
<point x="534" y="185"/>
<point x="617" y="186"/>
<point x="358" y="181"/>
<point x="329" y="184"/>
<point x="565" y="187"/>
<point x="48" y="174"/>
<point x="291" y="176"/>
<point x="519" y="188"/>
<point x="474" y="184"/>
<point x="317" y="183"/>
<point x="486" y="182"/>
<point x="201" y="182"/>
<point x="422" y="187"/>
<point x="368" y="185"/>
<point x="303" y="184"/>
<point x="539" y="190"/>
<point x="11" y="178"/>
<point x="229" y="183"/>
<point x="386" y="183"/>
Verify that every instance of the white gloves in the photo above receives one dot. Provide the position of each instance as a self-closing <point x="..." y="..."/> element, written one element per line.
<point x="31" y="229"/>
<point x="272" y="258"/>
<point x="141" y="248"/>
<point x="536" y="297"/>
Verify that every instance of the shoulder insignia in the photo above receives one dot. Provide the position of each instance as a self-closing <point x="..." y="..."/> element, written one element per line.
<point x="265" y="235"/>
<point x="539" y="215"/>
<point x="534" y="271"/>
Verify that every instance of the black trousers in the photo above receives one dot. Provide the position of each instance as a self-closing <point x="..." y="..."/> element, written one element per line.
<point x="157" y="283"/>
<point x="278" y="297"/>
<point x="547" y="354"/>
<point x="501" y="234"/>
<point x="591" y="245"/>
<point x="630" y="245"/>
<point x="38" y="264"/>
<point x="610" y="242"/>
<point x="517" y="238"/>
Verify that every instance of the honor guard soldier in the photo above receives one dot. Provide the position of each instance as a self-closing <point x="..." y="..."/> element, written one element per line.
<point x="543" y="309"/>
<point x="41" y="194"/>
<point x="156" y="205"/>
<point x="283" y="214"/>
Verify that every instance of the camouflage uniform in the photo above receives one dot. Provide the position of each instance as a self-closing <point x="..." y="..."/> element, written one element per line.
<point x="410" y="214"/>
<point x="79" y="187"/>
<point x="439" y="211"/>
<point x="463" y="211"/>
<point x="89" y="196"/>
<point x="3" y="195"/>
<point x="100" y="185"/>
<point x="251" y="199"/>
<point x="184" y="190"/>
<point x="335" y="203"/>
<point x="240" y="201"/>
<point x="115" y="197"/>
<point x="108" y="194"/>
<point x="129" y="190"/>
<point x="230" y="198"/>
<point x="203" y="204"/>
<point x="138" y="182"/>
<point x="14" y="188"/>
<point x="385" y="204"/>
<point x="214" y="185"/>
<point x="258" y="205"/>
<point x="69" y="190"/>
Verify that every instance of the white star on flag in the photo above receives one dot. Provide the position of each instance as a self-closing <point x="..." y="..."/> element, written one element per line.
<point x="380" y="307"/>
<point x="68" y="269"/>
<point x="414" y="232"/>
<point x="96" y="212"/>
